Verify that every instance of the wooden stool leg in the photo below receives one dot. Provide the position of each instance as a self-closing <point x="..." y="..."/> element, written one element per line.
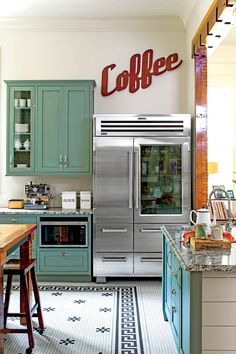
<point x="7" y="298"/>
<point x="37" y="298"/>
<point x="27" y="310"/>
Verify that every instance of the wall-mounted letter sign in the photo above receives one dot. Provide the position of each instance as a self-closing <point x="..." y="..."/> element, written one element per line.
<point x="141" y="69"/>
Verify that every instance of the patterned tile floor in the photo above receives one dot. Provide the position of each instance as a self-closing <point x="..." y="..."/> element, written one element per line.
<point x="118" y="317"/>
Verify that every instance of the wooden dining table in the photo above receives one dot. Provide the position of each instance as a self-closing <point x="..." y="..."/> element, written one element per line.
<point x="12" y="236"/>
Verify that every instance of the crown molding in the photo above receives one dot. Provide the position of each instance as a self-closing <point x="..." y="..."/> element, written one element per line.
<point x="167" y="23"/>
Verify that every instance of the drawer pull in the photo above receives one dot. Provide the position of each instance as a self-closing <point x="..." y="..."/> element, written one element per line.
<point x="174" y="274"/>
<point x="150" y="259"/>
<point x="173" y="309"/>
<point x="63" y="254"/>
<point x="173" y="292"/>
<point x="14" y="254"/>
<point x="114" y="259"/>
<point x="14" y="220"/>
<point x="150" y="230"/>
<point x="114" y="230"/>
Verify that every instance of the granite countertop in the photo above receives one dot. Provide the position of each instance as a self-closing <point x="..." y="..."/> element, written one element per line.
<point x="199" y="260"/>
<point x="50" y="211"/>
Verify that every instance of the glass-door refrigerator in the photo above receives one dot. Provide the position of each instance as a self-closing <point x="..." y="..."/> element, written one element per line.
<point x="142" y="180"/>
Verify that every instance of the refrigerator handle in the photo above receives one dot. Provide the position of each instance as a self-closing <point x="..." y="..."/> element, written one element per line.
<point x="130" y="179"/>
<point x="136" y="180"/>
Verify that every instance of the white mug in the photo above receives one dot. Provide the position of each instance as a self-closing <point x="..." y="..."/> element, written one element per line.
<point x="22" y="102"/>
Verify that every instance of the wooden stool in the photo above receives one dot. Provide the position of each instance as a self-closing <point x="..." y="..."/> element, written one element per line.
<point x="22" y="268"/>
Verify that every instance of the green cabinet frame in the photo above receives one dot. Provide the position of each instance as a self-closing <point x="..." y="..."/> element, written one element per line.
<point x="11" y="168"/>
<point x="62" y="127"/>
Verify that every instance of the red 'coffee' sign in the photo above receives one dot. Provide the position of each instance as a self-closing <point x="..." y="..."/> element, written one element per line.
<point x="142" y="69"/>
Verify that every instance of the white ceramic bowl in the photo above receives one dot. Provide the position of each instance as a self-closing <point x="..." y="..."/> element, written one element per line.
<point x="21" y="128"/>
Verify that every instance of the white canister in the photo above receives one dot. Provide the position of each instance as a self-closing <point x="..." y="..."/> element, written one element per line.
<point x="85" y="200"/>
<point x="69" y="200"/>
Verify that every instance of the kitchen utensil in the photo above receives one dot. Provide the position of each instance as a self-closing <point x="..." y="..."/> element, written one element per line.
<point x="202" y="217"/>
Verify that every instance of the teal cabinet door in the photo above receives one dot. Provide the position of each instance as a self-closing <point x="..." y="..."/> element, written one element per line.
<point x="49" y="129"/>
<point x="65" y="129"/>
<point x="182" y="302"/>
<point x="20" y="130"/>
<point x="78" y="128"/>
<point x="64" y="261"/>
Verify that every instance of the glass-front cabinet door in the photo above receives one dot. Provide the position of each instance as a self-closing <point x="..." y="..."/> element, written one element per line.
<point x="21" y="130"/>
<point x="163" y="181"/>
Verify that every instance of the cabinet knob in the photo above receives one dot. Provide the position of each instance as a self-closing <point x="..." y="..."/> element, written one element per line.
<point x="174" y="274"/>
<point x="173" y="309"/>
<point x="14" y="220"/>
<point x="173" y="292"/>
<point x="63" y="254"/>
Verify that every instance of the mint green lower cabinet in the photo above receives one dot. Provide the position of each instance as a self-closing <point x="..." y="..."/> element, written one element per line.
<point x="182" y="302"/>
<point x="55" y="263"/>
<point x="64" y="261"/>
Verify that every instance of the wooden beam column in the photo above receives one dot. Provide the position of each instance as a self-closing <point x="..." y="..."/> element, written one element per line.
<point x="201" y="174"/>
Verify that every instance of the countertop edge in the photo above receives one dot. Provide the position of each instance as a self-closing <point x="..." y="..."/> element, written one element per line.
<point x="195" y="267"/>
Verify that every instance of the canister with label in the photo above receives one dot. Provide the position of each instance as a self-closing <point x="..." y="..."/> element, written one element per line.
<point x="85" y="200"/>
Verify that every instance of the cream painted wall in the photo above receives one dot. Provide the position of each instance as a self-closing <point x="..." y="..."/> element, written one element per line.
<point x="50" y="54"/>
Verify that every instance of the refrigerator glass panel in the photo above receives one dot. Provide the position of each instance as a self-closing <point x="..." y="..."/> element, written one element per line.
<point x="161" y="179"/>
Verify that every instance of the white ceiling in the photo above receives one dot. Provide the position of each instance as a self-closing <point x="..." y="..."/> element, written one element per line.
<point x="97" y="9"/>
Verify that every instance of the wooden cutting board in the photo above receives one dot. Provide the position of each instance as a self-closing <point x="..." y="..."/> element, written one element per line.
<point x="199" y="244"/>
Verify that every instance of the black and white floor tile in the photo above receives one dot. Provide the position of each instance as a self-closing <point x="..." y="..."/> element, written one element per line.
<point x="122" y="317"/>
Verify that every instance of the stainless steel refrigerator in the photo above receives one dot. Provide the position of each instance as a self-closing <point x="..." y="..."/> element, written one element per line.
<point x="142" y="177"/>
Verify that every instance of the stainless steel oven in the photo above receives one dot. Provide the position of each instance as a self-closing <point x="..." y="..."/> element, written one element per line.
<point x="63" y="232"/>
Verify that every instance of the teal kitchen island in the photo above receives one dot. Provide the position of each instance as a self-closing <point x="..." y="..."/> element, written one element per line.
<point x="199" y="295"/>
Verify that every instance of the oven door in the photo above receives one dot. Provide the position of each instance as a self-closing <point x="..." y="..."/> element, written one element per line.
<point x="58" y="233"/>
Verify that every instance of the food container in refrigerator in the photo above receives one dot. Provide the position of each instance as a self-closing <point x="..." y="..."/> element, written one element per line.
<point x="85" y="200"/>
<point x="69" y="200"/>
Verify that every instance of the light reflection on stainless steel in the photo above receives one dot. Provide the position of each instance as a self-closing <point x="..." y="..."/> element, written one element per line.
<point x="228" y="225"/>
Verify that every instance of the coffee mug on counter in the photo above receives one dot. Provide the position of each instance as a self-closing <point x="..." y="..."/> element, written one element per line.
<point x="217" y="232"/>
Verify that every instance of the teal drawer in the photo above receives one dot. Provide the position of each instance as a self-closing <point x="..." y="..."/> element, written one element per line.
<point x="63" y="261"/>
<point x="18" y="219"/>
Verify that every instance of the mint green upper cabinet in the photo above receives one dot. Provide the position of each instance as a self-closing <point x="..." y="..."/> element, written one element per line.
<point x="21" y="130"/>
<point x="61" y="128"/>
